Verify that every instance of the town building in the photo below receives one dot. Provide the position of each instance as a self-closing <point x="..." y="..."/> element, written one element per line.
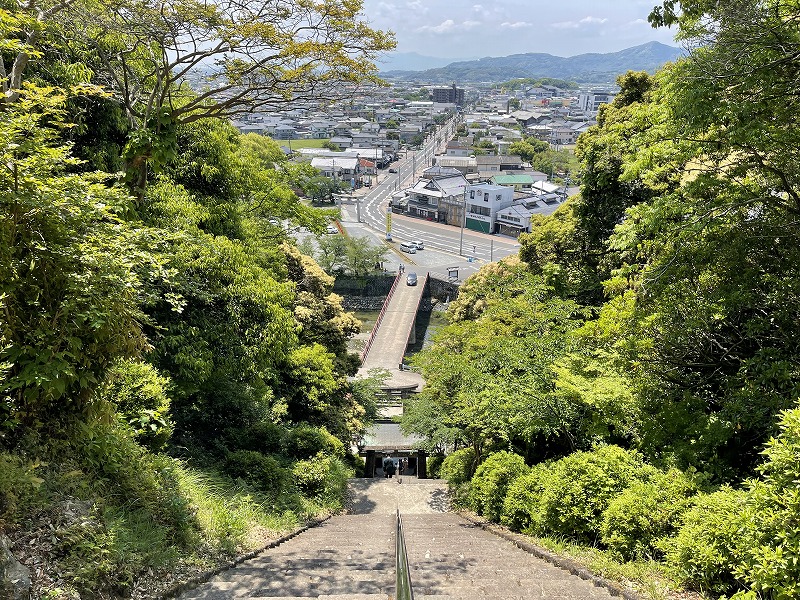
<point x="438" y="196"/>
<point x="483" y="201"/>
<point x="449" y="95"/>
<point x="590" y="102"/>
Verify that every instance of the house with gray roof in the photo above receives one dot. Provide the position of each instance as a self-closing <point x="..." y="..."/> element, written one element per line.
<point x="438" y="196"/>
<point x="516" y="219"/>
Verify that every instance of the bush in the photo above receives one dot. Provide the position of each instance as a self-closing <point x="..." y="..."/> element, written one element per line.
<point x="140" y="394"/>
<point x="490" y="483"/>
<point x="582" y="485"/>
<point x="521" y="506"/>
<point x="324" y="478"/>
<point x="434" y="465"/>
<point x="708" y="546"/>
<point x="258" y="469"/>
<point x="305" y="441"/>
<point x="772" y="544"/>
<point x="645" y="513"/>
<point x="263" y="436"/>
<point x="20" y="488"/>
<point x="457" y="469"/>
<point x="459" y="466"/>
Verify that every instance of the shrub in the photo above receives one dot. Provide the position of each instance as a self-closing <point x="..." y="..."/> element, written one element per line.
<point x="707" y="547"/>
<point x="582" y="485"/>
<point x="491" y="480"/>
<point x="140" y="394"/>
<point x="305" y="441"/>
<point x="20" y="488"/>
<point x="459" y="466"/>
<point x="646" y="512"/>
<point x="521" y="507"/>
<point x="772" y="546"/>
<point x="434" y="465"/>
<point x="263" y="436"/>
<point x="457" y="469"/>
<point x="324" y="478"/>
<point x="258" y="469"/>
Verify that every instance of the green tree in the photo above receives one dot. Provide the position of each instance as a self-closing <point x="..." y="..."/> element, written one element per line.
<point x="69" y="289"/>
<point x="267" y="56"/>
<point x="489" y="382"/>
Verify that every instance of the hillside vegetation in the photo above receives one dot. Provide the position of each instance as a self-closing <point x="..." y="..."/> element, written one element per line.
<point x="174" y="374"/>
<point x="630" y="383"/>
<point x="583" y="68"/>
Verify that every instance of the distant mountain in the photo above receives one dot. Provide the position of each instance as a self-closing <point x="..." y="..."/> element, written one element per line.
<point x="411" y="61"/>
<point x="584" y="68"/>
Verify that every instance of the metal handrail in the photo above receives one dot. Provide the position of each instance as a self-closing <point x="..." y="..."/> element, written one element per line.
<point x="403" y="589"/>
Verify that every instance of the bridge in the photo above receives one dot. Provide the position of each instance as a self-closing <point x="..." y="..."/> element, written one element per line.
<point x="391" y="334"/>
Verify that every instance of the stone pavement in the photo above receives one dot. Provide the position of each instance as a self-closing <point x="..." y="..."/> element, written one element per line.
<point x="351" y="557"/>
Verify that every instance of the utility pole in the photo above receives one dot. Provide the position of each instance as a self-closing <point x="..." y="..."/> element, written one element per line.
<point x="463" y="224"/>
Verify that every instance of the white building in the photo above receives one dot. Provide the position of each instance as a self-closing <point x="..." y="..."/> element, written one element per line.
<point x="590" y="102"/>
<point x="483" y="201"/>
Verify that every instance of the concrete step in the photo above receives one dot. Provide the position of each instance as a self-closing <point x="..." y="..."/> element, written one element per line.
<point x="351" y="557"/>
<point x="452" y="559"/>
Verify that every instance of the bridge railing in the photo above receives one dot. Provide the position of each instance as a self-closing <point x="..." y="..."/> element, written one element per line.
<point x="374" y="331"/>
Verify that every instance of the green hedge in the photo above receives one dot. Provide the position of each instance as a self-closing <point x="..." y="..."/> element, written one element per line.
<point x="491" y="481"/>
<point x="646" y="513"/>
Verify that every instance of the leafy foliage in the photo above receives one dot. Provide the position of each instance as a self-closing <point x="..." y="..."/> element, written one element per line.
<point x="570" y="497"/>
<point x="487" y="373"/>
<point x="491" y="481"/>
<point x="68" y="291"/>
<point x="140" y="395"/>
<point x="646" y="513"/>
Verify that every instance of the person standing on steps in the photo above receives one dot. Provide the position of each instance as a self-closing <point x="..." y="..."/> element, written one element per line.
<point x="388" y="467"/>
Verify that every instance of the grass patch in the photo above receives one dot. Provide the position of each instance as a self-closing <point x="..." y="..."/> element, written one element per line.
<point x="102" y="517"/>
<point x="298" y="144"/>
<point x="231" y="516"/>
<point x="648" y="578"/>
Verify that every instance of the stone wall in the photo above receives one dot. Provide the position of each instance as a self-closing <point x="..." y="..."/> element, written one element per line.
<point x="369" y="293"/>
<point x="369" y="285"/>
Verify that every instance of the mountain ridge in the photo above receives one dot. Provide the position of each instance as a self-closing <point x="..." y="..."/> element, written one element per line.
<point x="582" y="68"/>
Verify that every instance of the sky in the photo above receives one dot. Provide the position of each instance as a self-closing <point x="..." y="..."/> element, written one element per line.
<point x="479" y="28"/>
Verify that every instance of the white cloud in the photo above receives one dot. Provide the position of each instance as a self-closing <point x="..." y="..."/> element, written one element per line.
<point x="517" y="25"/>
<point x="417" y="7"/>
<point x="585" y="23"/>
<point x="449" y="26"/>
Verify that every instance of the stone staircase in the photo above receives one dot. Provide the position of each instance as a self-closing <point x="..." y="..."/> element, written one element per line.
<point x="351" y="557"/>
<point x="453" y="559"/>
<point x="348" y="557"/>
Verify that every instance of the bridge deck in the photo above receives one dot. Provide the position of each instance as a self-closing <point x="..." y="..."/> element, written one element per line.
<point x="392" y="335"/>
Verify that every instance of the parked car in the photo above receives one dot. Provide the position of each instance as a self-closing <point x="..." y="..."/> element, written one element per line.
<point x="418" y="244"/>
<point x="332" y="229"/>
<point x="411" y="279"/>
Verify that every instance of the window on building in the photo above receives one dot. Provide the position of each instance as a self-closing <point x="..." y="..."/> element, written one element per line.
<point x="474" y="209"/>
<point x="498" y="197"/>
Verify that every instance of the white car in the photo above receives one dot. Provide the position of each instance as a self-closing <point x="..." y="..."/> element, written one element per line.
<point x="332" y="229"/>
<point x="418" y="244"/>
